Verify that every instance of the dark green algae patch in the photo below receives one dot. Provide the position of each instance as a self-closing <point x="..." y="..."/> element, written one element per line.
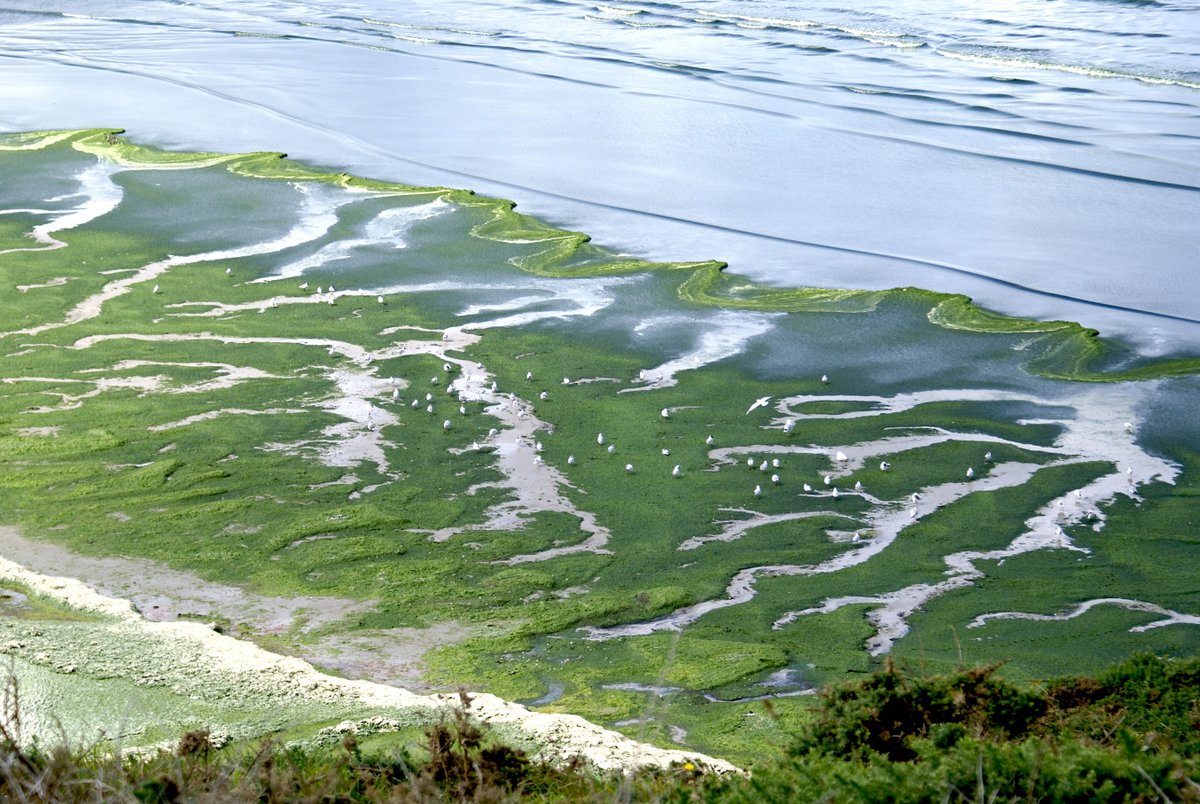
<point x="227" y="497"/>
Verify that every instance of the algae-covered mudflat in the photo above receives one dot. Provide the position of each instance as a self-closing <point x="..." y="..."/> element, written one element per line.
<point x="415" y="437"/>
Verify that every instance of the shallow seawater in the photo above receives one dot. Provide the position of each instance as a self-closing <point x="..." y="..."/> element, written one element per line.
<point x="1039" y="157"/>
<point x="654" y="490"/>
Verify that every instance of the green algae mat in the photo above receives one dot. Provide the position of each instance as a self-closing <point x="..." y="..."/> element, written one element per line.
<point x="416" y="437"/>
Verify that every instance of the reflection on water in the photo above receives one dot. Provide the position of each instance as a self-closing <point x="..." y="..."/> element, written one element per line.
<point x="1040" y="157"/>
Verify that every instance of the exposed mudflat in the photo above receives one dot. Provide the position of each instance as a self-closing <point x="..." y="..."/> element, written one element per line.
<point x="190" y="661"/>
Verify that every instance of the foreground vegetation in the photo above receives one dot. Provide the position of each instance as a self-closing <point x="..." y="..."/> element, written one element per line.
<point x="1131" y="732"/>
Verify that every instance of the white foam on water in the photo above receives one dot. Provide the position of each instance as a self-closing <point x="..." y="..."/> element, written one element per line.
<point x="618" y="11"/>
<point x="100" y="194"/>
<point x="387" y="229"/>
<point x="504" y="306"/>
<point x="759" y="22"/>
<point x="1009" y="62"/>
<point x="725" y="335"/>
<point x="318" y="216"/>
<point x="573" y="298"/>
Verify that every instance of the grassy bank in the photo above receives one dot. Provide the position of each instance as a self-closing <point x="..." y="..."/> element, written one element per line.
<point x="1126" y="734"/>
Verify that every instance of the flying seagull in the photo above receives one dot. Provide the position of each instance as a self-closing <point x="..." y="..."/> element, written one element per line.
<point x="761" y="402"/>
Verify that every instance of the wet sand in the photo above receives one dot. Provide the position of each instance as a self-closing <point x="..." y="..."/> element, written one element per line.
<point x="193" y="656"/>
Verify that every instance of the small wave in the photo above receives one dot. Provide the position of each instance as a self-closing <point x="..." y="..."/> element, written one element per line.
<point x="1075" y="69"/>
<point x="261" y="35"/>
<point x="873" y="35"/>
<point x="96" y="17"/>
<point x="628" y="22"/>
<point x="758" y="22"/>
<point x="877" y="37"/>
<point x="617" y="11"/>
<point x="416" y="40"/>
<point x="436" y="28"/>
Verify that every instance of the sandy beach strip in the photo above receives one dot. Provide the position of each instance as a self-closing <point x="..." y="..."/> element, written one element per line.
<point x="218" y="661"/>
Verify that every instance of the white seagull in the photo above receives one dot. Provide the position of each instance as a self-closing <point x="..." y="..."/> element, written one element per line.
<point x="761" y="402"/>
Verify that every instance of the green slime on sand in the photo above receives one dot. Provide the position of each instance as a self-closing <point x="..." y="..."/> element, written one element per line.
<point x="219" y="427"/>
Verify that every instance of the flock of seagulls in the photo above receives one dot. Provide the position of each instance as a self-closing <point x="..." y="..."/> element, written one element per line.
<point x="839" y="457"/>
<point x="764" y="466"/>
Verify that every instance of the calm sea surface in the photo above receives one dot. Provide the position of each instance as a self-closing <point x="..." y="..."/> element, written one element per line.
<point x="1042" y="156"/>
